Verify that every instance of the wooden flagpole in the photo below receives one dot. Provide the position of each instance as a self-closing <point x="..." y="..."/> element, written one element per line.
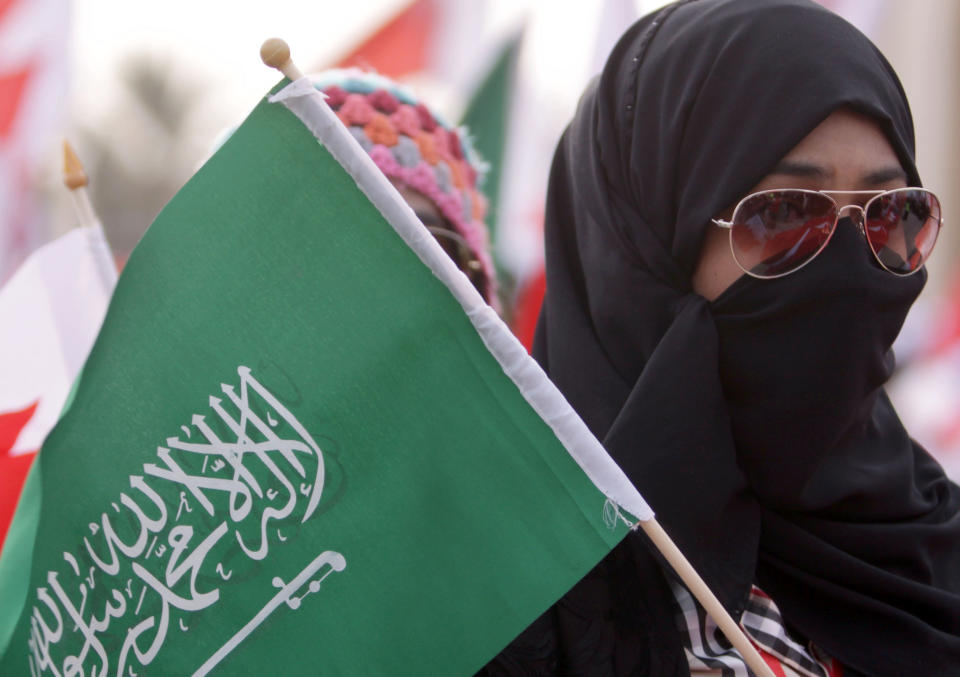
<point x="705" y="596"/>
<point x="75" y="179"/>
<point x="276" y="54"/>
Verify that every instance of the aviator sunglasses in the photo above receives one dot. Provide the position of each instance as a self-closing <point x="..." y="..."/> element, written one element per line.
<point x="457" y="249"/>
<point x="777" y="232"/>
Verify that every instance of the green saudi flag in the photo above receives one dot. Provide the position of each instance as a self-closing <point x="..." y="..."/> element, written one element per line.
<point x="300" y="445"/>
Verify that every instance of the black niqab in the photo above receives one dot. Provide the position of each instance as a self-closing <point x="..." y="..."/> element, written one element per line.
<point x="756" y="426"/>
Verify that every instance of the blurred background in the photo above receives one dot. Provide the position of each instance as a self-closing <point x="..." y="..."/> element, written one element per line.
<point x="142" y="91"/>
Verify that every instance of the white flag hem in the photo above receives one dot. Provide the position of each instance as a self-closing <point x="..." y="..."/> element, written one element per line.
<point x="308" y="104"/>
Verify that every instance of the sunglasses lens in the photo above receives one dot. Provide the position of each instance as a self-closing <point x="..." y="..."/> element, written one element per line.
<point x="902" y="227"/>
<point x="778" y="231"/>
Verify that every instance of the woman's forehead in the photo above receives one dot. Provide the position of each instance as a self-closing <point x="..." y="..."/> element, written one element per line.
<point x="847" y="150"/>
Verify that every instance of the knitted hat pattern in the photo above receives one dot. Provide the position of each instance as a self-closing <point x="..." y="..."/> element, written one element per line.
<point x="417" y="148"/>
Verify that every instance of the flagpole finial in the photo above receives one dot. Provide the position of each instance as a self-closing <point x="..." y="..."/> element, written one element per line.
<point x="75" y="178"/>
<point x="275" y="53"/>
<point x="73" y="174"/>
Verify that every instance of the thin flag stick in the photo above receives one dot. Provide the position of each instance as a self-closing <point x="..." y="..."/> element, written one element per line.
<point x="75" y="178"/>
<point x="705" y="596"/>
<point x="276" y="54"/>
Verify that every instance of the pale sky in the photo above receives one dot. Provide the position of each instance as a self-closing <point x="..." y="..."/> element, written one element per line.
<point x="221" y="39"/>
<point x="216" y="43"/>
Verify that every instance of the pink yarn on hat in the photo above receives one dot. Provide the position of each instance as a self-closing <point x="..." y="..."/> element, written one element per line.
<point x="411" y="146"/>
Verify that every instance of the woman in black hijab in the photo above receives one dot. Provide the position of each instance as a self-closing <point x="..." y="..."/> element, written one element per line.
<point x="754" y="423"/>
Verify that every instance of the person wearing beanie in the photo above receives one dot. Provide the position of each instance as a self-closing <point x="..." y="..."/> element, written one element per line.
<point x="432" y="163"/>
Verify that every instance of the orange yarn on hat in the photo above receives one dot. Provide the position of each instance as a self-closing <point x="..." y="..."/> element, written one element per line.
<point x="380" y="130"/>
<point x="428" y="148"/>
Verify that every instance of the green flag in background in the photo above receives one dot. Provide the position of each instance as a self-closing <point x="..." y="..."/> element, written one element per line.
<point x="487" y="118"/>
<point x="301" y="444"/>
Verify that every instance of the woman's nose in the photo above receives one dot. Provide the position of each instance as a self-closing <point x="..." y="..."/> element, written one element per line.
<point x="855" y="213"/>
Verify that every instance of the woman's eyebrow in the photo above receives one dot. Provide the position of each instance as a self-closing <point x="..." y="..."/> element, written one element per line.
<point x="810" y="170"/>
<point x="885" y="175"/>
<point x="806" y="170"/>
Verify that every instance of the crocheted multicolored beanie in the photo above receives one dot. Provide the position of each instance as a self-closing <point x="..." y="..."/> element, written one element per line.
<point x="412" y="145"/>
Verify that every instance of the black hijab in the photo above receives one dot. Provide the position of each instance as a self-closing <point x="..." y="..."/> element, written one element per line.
<point x="755" y="425"/>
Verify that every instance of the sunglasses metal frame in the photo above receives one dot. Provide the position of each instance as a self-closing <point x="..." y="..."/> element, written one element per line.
<point x="861" y="224"/>
<point x="469" y="259"/>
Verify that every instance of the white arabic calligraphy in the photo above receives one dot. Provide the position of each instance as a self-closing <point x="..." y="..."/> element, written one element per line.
<point x="277" y="458"/>
<point x="286" y="596"/>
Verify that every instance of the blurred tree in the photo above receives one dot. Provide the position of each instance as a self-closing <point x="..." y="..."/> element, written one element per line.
<point x="144" y="149"/>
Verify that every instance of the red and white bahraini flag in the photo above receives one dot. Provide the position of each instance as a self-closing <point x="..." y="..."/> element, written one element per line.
<point x="33" y="91"/>
<point x="50" y="313"/>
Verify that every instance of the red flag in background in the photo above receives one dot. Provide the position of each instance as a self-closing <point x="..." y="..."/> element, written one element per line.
<point x="11" y="425"/>
<point x="33" y="88"/>
<point x="50" y="313"/>
<point x="526" y="310"/>
<point x="437" y="43"/>
<point x="401" y="46"/>
<point x="12" y="87"/>
<point x="13" y="468"/>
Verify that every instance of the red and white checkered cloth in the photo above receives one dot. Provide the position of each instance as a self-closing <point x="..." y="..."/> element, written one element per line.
<point x="710" y="653"/>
